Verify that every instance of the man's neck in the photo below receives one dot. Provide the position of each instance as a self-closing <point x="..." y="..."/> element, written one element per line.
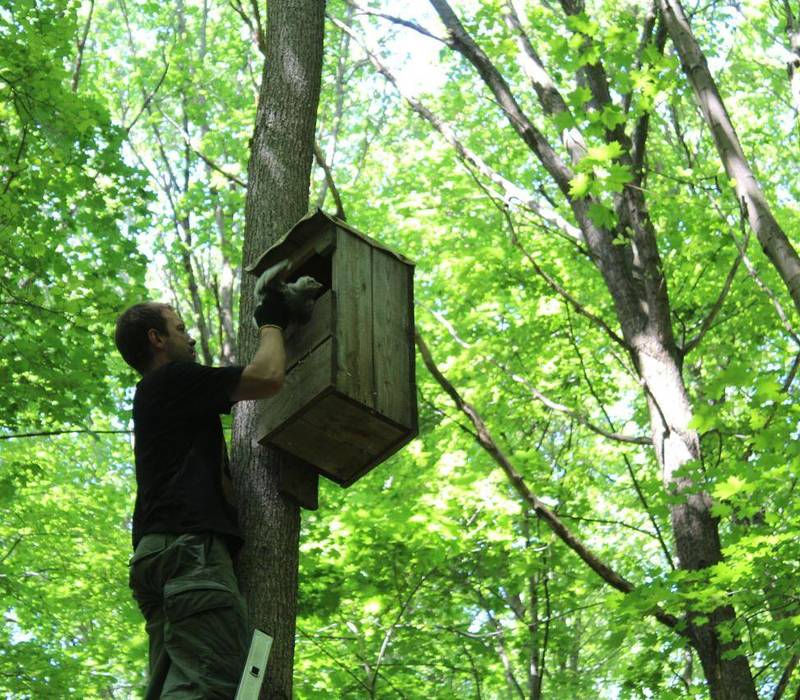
<point x="159" y="360"/>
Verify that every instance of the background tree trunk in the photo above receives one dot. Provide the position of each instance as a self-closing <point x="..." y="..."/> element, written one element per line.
<point x="772" y="237"/>
<point x="277" y="196"/>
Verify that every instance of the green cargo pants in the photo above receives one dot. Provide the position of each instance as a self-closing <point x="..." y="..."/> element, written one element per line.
<point x="196" y="618"/>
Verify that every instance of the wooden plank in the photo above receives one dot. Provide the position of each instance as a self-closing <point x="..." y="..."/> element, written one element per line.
<point x="352" y="286"/>
<point x="305" y="383"/>
<point x="328" y="453"/>
<point x="339" y="438"/>
<point x="320" y="244"/>
<point x="299" y="480"/>
<point x="377" y="460"/>
<point x="301" y="340"/>
<point x="355" y="435"/>
<point x="392" y="336"/>
<point x="307" y="236"/>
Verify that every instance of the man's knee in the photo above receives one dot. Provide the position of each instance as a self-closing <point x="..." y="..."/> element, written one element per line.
<point x="205" y="636"/>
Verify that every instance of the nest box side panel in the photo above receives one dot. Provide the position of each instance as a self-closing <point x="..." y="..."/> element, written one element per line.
<point x="352" y="285"/>
<point x="393" y="338"/>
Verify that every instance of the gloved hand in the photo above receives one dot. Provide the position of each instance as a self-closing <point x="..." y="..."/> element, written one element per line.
<point x="272" y="310"/>
<point x="295" y="299"/>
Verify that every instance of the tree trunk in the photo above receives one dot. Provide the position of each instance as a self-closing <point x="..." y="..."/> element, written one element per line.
<point x="695" y="530"/>
<point x="633" y="274"/>
<point x="771" y="236"/>
<point x="277" y="196"/>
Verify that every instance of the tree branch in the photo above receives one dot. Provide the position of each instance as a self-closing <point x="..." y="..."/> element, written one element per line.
<point x="148" y="99"/>
<point x="76" y="74"/>
<point x="486" y="441"/>
<point x="550" y="98"/>
<point x="751" y="270"/>
<point x="561" y="291"/>
<point x="717" y="307"/>
<point x="44" y="433"/>
<point x="188" y="140"/>
<point x="512" y="194"/>
<point x="390" y="632"/>
<point x="539" y="396"/>
<point x="395" y="20"/>
<point x="578" y="418"/>
<point x="786" y="676"/>
<point x="320" y="158"/>
<point x="459" y="40"/>
<point x="343" y="53"/>
<point x="631" y="473"/>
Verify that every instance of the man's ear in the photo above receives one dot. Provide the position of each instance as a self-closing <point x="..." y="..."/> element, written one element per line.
<point x="155" y="339"/>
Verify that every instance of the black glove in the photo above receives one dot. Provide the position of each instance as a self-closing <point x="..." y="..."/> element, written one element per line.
<point x="272" y="310"/>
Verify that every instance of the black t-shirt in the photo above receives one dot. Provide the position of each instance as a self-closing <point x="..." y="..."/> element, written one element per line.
<point x="180" y="452"/>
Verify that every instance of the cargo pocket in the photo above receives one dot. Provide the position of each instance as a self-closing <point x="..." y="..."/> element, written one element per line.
<point x="205" y="634"/>
<point x="140" y="578"/>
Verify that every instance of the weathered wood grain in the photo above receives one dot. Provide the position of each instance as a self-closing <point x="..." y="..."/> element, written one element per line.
<point x="392" y="329"/>
<point x="304" y="339"/>
<point x="338" y="437"/>
<point x="307" y="381"/>
<point x="352" y="284"/>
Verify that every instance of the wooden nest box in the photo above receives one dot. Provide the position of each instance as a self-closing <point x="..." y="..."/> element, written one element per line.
<point x="349" y="397"/>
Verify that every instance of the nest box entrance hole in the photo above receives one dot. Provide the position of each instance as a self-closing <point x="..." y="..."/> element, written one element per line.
<point x="317" y="265"/>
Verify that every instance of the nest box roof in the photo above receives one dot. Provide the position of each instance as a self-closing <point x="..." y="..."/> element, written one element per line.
<point x="303" y="231"/>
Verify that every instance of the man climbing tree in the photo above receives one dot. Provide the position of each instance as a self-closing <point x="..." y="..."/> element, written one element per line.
<point x="184" y="524"/>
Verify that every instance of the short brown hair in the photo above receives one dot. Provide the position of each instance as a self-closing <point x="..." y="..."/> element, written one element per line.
<point x="131" y="332"/>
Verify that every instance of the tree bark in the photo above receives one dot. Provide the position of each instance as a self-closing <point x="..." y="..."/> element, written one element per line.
<point x="759" y="214"/>
<point x="277" y="196"/>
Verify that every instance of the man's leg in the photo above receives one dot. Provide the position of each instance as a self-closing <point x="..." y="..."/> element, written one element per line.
<point x="159" y="660"/>
<point x="143" y="572"/>
<point x="196" y="617"/>
<point x="206" y="634"/>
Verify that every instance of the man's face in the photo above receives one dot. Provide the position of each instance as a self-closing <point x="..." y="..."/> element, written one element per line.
<point x="179" y="345"/>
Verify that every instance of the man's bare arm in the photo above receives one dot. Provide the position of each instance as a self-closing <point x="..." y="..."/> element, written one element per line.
<point x="263" y="377"/>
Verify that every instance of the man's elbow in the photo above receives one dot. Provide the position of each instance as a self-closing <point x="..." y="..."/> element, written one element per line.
<point x="274" y="383"/>
<point x="257" y="384"/>
<point x="270" y="383"/>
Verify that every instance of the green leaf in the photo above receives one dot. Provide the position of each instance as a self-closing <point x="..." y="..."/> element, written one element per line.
<point x="580" y="184"/>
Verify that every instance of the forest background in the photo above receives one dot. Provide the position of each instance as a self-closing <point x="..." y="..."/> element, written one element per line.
<point x="528" y="543"/>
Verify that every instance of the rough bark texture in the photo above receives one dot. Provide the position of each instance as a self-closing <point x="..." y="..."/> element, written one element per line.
<point x="771" y="236"/>
<point x="277" y="196"/>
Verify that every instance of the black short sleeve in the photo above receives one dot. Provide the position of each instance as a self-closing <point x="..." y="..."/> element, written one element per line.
<point x="200" y="389"/>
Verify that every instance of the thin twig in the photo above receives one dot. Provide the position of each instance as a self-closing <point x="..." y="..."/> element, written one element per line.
<point x="538" y="395"/>
<point x="320" y="157"/>
<point x="148" y="99"/>
<point x="210" y="163"/>
<point x="396" y="20"/>
<point x="717" y="307"/>
<point x="44" y="433"/>
<point x="556" y="287"/>
<point x="76" y="74"/>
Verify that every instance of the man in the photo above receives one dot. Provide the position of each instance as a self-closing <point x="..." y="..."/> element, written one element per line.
<point x="184" y="522"/>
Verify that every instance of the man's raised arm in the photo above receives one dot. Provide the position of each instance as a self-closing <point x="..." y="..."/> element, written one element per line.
<point x="263" y="377"/>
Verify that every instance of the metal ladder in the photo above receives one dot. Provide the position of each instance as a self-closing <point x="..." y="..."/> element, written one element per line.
<point x="255" y="667"/>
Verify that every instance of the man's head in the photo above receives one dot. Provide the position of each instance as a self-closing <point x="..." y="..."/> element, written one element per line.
<point x="151" y="334"/>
